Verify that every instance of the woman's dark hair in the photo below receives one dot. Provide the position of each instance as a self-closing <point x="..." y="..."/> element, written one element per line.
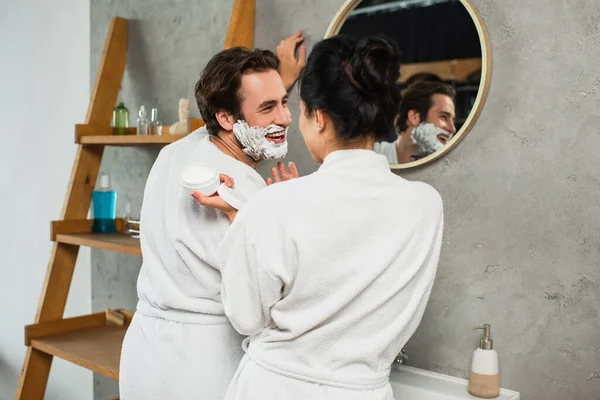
<point x="354" y="82"/>
<point x="419" y="97"/>
<point x="219" y="85"/>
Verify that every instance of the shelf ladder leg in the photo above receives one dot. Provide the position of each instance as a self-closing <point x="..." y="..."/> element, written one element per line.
<point x="36" y="367"/>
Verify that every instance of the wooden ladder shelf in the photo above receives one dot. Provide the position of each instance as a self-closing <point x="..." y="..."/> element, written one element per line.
<point x="94" y="341"/>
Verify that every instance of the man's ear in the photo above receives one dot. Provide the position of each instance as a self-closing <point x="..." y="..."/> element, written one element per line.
<point x="226" y="120"/>
<point x="414" y="118"/>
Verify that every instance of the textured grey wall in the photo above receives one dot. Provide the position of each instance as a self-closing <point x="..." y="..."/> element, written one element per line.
<point x="522" y="245"/>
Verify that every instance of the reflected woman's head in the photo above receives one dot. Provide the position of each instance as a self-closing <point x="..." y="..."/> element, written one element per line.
<point x="348" y="93"/>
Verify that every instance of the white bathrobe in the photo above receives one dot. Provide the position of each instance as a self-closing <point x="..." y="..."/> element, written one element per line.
<point x="180" y="345"/>
<point x="329" y="275"/>
<point x="387" y="149"/>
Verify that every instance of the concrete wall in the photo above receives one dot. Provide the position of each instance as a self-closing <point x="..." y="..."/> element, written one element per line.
<point x="521" y="245"/>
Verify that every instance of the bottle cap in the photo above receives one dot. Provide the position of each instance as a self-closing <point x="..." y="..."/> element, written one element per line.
<point x="235" y="197"/>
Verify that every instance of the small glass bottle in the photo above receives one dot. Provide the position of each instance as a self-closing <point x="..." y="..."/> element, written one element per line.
<point x="142" y="122"/>
<point x="120" y="120"/>
<point x="104" y="202"/>
<point x="127" y="219"/>
<point x="132" y="223"/>
<point x="155" y="127"/>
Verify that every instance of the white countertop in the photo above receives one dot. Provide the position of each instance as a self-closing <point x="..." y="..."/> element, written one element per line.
<point x="410" y="383"/>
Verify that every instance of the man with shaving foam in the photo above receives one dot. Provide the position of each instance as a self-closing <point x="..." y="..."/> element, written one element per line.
<point x="180" y="344"/>
<point x="425" y="123"/>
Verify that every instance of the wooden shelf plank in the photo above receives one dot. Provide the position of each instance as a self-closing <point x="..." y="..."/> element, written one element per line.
<point x="457" y="70"/>
<point x="117" y="242"/>
<point x="97" y="349"/>
<point x="71" y="226"/>
<point x="131" y="140"/>
<point x="103" y="135"/>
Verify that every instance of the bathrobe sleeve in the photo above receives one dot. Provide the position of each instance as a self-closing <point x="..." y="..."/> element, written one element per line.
<point x="387" y="149"/>
<point x="250" y="287"/>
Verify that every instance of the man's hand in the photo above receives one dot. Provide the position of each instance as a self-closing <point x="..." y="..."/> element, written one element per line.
<point x="285" y="175"/>
<point x="291" y="66"/>
<point x="215" y="201"/>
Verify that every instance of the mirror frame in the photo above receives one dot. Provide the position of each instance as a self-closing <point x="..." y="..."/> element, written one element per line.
<point x="484" y="84"/>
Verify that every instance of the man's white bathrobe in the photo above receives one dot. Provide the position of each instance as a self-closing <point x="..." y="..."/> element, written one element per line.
<point x="329" y="275"/>
<point x="180" y="345"/>
<point x="387" y="149"/>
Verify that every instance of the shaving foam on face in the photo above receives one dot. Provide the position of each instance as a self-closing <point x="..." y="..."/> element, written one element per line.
<point x="425" y="137"/>
<point x="255" y="144"/>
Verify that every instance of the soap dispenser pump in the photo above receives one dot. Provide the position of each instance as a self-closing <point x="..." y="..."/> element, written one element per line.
<point x="484" y="381"/>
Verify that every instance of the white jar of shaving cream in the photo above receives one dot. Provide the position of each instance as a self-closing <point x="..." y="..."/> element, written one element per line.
<point x="200" y="179"/>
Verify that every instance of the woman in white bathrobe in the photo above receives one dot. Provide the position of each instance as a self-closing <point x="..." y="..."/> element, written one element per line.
<point x="329" y="274"/>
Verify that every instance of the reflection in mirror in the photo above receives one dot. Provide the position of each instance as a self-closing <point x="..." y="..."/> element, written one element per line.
<point x="441" y="76"/>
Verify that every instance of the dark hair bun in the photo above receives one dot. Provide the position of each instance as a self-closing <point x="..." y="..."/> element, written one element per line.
<point x="354" y="82"/>
<point x="374" y="65"/>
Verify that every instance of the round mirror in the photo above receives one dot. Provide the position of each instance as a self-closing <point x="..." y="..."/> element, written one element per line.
<point x="445" y="73"/>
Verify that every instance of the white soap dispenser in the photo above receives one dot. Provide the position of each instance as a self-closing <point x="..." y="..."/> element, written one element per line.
<point x="484" y="381"/>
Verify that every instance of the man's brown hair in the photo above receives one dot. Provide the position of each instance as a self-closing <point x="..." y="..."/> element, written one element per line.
<point x="219" y="85"/>
<point x="418" y="97"/>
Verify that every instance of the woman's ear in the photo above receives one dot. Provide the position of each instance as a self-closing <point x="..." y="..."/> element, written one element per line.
<point x="226" y="120"/>
<point x="322" y="120"/>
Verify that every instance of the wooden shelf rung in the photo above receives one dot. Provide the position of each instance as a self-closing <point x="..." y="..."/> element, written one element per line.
<point x="102" y="135"/>
<point x="117" y="242"/>
<point x="69" y="226"/>
<point x="130" y="140"/>
<point x="89" y="341"/>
